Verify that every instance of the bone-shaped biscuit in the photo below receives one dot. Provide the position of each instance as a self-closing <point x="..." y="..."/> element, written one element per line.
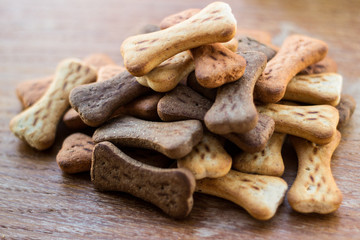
<point x="259" y="195"/>
<point x="73" y="121"/>
<point x="169" y="189"/>
<point x="327" y="65"/>
<point x="37" y="125"/>
<point x="249" y="44"/>
<point x="296" y="53"/>
<point x="179" y="17"/>
<point x="209" y="93"/>
<point x="234" y="109"/>
<point x="97" y="101"/>
<point x="346" y="109"/>
<point x="267" y="162"/>
<point x="314" y="189"/>
<point x="173" y="139"/>
<point x="109" y="71"/>
<point x="318" y="89"/>
<point x="214" y="23"/>
<point x="75" y="153"/>
<point x="256" y="139"/>
<point x="207" y="159"/>
<point x="315" y="123"/>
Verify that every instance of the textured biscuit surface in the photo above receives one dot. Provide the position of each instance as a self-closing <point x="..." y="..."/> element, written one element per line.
<point x="249" y="44"/>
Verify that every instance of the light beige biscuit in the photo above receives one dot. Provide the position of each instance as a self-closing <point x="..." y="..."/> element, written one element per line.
<point x="259" y="195"/>
<point x="214" y="23"/>
<point x="346" y="109"/>
<point x="318" y="89"/>
<point x="207" y="159"/>
<point x="296" y="53"/>
<point x="109" y="71"/>
<point x="315" y="123"/>
<point x="179" y="17"/>
<point x="267" y="162"/>
<point x="314" y="189"/>
<point x="37" y="125"/>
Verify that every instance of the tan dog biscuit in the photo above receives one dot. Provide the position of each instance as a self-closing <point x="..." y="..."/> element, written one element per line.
<point x="142" y="53"/>
<point x="256" y="139"/>
<point x="267" y="162"/>
<point x="215" y="65"/>
<point x="318" y="89"/>
<point x="346" y="109"/>
<point x="37" y="125"/>
<point x="207" y="159"/>
<point x="259" y="195"/>
<point x="183" y="103"/>
<point x="234" y="109"/>
<point x="169" y="189"/>
<point x="75" y="154"/>
<point x="249" y="44"/>
<point x="98" y="60"/>
<point x="315" y="123"/>
<point x="173" y="139"/>
<point x="179" y="17"/>
<point x="327" y="65"/>
<point x="314" y="189"/>
<point x="296" y="53"/>
<point x="109" y="71"/>
<point x="192" y="82"/>
<point x="96" y="102"/>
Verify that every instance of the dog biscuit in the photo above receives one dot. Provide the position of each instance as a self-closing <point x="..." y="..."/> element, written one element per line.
<point x="327" y="65"/>
<point x="247" y="44"/>
<point x="109" y="71"/>
<point x="179" y="17"/>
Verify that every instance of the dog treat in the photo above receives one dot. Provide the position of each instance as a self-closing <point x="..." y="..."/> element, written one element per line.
<point x="249" y="44"/>
<point x="169" y="189"/>
<point x="183" y="103"/>
<point x="75" y="154"/>
<point x="179" y="17"/>
<point x="109" y="71"/>
<point x="267" y="162"/>
<point x="327" y="65"/>
<point x="207" y="159"/>
<point x="259" y="195"/>
<point x="31" y="91"/>
<point x="214" y="23"/>
<point x="149" y="157"/>
<point x="234" y="109"/>
<point x="296" y="53"/>
<point x="149" y="28"/>
<point x="37" y="124"/>
<point x="346" y="109"/>
<point x="73" y="121"/>
<point x="318" y="89"/>
<point x="97" y="101"/>
<point x="256" y="139"/>
<point x="98" y="60"/>
<point x="314" y="189"/>
<point x="192" y="82"/>
<point x="173" y="139"/>
<point x="216" y="65"/>
<point x="315" y="123"/>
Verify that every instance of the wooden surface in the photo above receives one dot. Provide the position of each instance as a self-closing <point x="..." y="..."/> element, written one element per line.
<point x="37" y="201"/>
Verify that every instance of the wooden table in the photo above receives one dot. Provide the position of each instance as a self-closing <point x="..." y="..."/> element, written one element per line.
<point x="38" y="201"/>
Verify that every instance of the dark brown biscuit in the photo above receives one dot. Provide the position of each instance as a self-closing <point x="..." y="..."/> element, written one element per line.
<point x="346" y="108"/>
<point x="96" y="102"/>
<point x="169" y="189"/>
<point x="193" y="83"/>
<point x="149" y="157"/>
<point x="249" y="44"/>
<point x="73" y="121"/>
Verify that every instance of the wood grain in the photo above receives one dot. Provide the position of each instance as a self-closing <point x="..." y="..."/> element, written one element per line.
<point x="37" y="201"/>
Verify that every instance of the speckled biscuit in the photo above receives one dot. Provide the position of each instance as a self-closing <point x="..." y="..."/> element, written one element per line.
<point x="173" y="139"/>
<point x="346" y="109"/>
<point x="37" y="125"/>
<point x="75" y="153"/>
<point x="267" y="162"/>
<point x="256" y="139"/>
<point x="169" y="189"/>
<point x="319" y="89"/>
<point x="109" y="71"/>
<point x="234" y="109"/>
<point x="259" y="195"/>
<point x="314" y="189"/>
<point x="249" y="44"/>
<point x="315" y="123"/>
<point x="296" y="53"/>
<point x="207" y="159"/>
<point x="327" y="65"/>
<point x="209" y="93"/>
<point x="179" y="17"/>
<point x="214" y="23"/>
<point x="96" y="102"/>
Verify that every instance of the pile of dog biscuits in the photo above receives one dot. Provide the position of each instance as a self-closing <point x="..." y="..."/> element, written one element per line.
<point x="188" y="90"/>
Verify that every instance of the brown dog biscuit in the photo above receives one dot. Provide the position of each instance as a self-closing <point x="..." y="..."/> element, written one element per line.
<point x="149" y="157"/>
<point x="179" y="17"/>
<point x="109" y="71"/>
<point x="192" y="82"/>
<point x="256" y="139"/>
<point x="267" y="162"/>
<point x="259" y="195"/>
<point x="249" y="44"/>
<point x="96" y="102"/>
<point x="315" y="123"/>
<point x="346" y="108"/>
<point x="234" y="109"/>
<point x="314" y="189"/>
<point x="173" y="139"/>
<point x="183" y="103"/>
<point x="73" y="121"/>
<point x="327" y="65"/>
<point x="296" y="53"/>
<point x="75" y="154"/>
<point x="169" y="189"/>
